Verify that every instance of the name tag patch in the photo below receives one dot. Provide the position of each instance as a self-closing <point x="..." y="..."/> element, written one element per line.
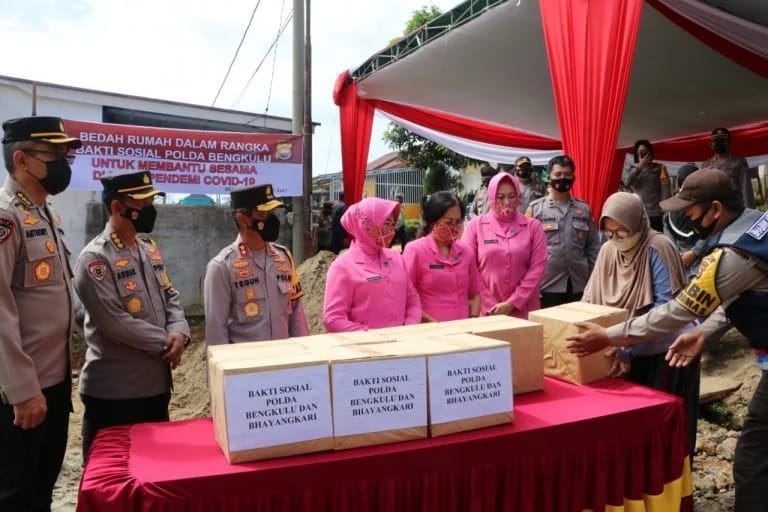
<point x="759" y="228"/>
<point x="373" y="278"/>
<point x="490" y="241"/>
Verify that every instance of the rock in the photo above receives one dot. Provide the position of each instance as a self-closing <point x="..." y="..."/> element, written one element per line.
<point x="726" y="449"/>
<point x="716" y="388"/>
<point x="723" y="480"/>
<point x="709" y="448"/>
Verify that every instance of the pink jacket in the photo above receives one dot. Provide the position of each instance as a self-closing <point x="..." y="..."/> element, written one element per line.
<point x="445" y="285"/>
<point x="368" y="286"/>
<point x="511" y="256"/>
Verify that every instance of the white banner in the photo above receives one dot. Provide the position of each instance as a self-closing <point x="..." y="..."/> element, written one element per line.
<point x="187" y="161"/>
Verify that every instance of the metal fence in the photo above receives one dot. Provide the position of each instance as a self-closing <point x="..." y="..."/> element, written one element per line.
<point x="389" y="182"/>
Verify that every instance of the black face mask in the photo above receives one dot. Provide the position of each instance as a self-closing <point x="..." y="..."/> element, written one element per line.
<point x="57" y="177"/>
<point x="562" y="184"/>
<point x="143" y="220"/>
<point x="269" y="229"/>
<point x="720" y="147"/>
<point x="701" y="231"/>
<point x="524" y="173"/>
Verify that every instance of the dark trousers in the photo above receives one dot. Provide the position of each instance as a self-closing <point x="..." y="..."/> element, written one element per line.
<point x="30" y="460"/>
<point x="550" y="300"/>
<point x="102" y="413"/>
<point x="657" y="223"/>
<point x="400" y="237"/>
<point x="750" y="467"/>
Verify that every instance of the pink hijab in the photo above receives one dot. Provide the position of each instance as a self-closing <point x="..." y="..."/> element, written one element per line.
<point x="371" y="212"/>
<point x="494" y="185"/>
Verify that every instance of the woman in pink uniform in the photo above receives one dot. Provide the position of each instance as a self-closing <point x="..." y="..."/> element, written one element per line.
<point x="368" y="286"/>
<point x="511" y="252"/>
<point x="441" y="267"/>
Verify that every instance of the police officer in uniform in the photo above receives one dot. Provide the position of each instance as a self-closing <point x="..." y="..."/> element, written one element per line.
<point x="252" y="291"/>
<point x="572" y="238"/>
<point x="531" y="187"/>
<point x="36" y="313"/>
<point x="481" y="205"/>
<point x="735" y="276"/>
<point x="736" y="167"/>
<point x="135" y="328"/>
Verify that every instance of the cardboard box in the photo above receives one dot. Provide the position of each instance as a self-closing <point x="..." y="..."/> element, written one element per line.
<point x="270" y="407"/>
<point x="526" y="340"/>
<point x="558" y="325"/>
<point x="470" y="384"/>
<point x="379" y="397"/>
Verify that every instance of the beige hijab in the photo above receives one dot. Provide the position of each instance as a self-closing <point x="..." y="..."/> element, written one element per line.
<point x="624" y="279"/>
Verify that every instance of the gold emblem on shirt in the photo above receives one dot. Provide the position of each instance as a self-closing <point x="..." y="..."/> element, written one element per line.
<point x="50" y="246"/>
<point x="243" y="274"/>
<point x="251" y="309"/>
<point x="250" y="294"/>
<point x="121" y="263"/>
<point x="130" y="285"/>
<point x="133" y="306"/>
<point x="117" y="241"/>
<point x="29" y="220"/>
<point x="43" y="271"/>
<point x="240" y="263"/>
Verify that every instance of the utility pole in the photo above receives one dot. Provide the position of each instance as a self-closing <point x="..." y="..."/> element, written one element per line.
<point x="307" y="131"/>
<point x="297" y="124"/>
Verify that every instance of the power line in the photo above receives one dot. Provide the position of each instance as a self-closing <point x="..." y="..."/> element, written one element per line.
<point x="274" y="61"/>
<point x="253" y="13"/>
<point x="279" y="33"/>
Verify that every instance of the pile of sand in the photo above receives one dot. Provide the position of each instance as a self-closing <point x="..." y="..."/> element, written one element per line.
<point x="312" y="274"/>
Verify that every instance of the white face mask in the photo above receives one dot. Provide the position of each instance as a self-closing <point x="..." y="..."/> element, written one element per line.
<point x="626" y="244"/>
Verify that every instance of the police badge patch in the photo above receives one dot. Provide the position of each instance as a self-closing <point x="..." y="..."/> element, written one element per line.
<point x="97" y="269"/>
<point x="6" y="229"/>
<point x="43" y="271"/>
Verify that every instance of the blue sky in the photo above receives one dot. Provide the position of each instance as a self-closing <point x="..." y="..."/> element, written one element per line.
<point x="180" y="50"/>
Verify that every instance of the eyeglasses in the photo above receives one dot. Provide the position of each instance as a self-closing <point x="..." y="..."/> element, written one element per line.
<point x="57" y="155"/>
<point x="620" y="234"/>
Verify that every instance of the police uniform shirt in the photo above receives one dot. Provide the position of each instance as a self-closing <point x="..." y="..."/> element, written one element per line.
<point x="130" y="307"/>
<point x="252" y="295"/>
<point x="480" y="205"/>
<point x="529" y="192"/>
<point x="572" y="242"/>
<point x="723" y="276"/>
<point x="737" y="168"/>
<point x="652" y="185"/>
<point x="35" y="297"/>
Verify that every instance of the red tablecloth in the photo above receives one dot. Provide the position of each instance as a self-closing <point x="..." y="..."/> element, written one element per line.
<point x="611" y="446"/>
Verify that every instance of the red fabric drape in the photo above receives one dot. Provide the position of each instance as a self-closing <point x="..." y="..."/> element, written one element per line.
<point x="755" y="63"/>
<point x="467" y="128"/>
<point x="590" y="47"/>
<point x="748" y="141"/>
<point x="356" y="120"/>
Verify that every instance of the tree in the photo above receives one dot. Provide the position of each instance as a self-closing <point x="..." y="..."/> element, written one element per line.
<point x="419" y="152"/>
